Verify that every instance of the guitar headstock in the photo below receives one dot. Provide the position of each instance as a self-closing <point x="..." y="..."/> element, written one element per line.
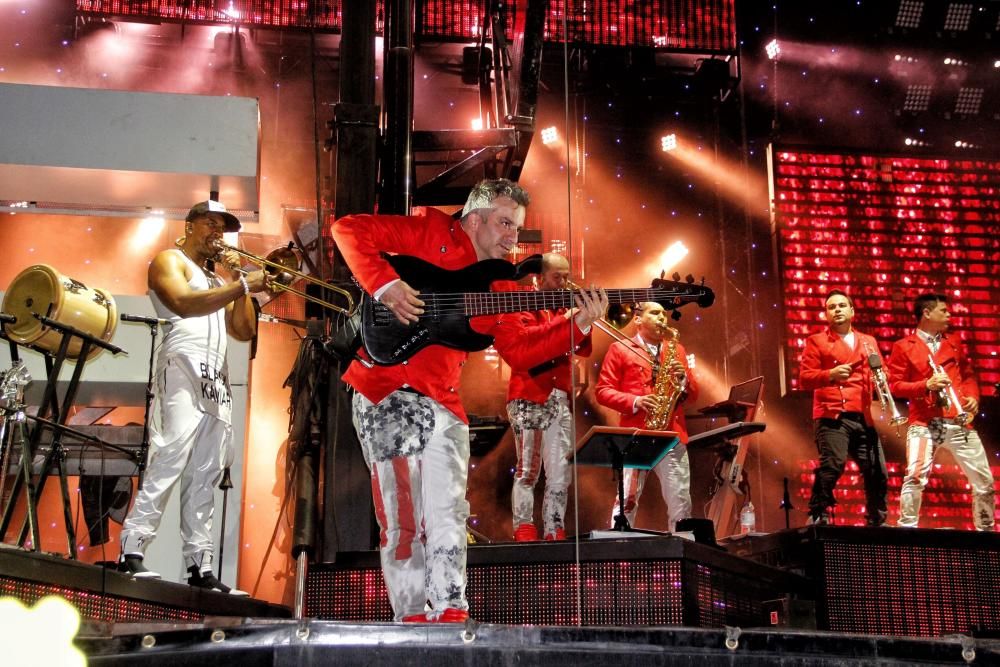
<point x="678" y="292"/>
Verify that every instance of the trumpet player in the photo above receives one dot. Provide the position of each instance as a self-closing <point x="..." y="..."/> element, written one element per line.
<point x="835" y="366"/>
<point x="930" y="368"/>
<point x="190" y="427"/>
<point x="627" y="384"/>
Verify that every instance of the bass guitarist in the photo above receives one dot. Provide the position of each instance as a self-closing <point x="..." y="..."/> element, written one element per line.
<point x="409" y="418"/>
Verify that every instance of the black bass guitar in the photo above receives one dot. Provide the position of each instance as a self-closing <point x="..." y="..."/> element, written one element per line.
<point x="451" y="298"/>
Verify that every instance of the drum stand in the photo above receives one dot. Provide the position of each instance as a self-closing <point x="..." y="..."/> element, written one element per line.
<point x="56" y="455"/>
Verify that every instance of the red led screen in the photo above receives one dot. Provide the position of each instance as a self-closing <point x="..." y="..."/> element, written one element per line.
<point x="885" y="229"/>
<point x="695" y="25"/>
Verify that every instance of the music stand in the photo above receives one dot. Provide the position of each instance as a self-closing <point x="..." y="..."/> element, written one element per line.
<point x="618" y="448"/>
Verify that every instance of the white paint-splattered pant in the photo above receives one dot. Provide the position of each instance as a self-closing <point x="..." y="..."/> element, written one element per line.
<point x="675" y="486"/>
<point x="921" y="444"/>
<point x="418" y="455"/>
<point x="186" y="445"/>
<point x="542" y="437"/>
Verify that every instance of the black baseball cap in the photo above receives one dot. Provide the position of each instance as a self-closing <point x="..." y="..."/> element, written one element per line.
<point x="211" y="206"/>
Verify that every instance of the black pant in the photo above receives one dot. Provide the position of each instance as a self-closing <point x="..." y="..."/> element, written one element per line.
<point x="835" y="440"/>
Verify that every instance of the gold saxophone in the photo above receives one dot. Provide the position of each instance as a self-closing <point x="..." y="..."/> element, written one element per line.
<point x="668" y="388"/>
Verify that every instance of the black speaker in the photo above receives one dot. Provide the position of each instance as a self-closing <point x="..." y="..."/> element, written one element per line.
<point x="703" y="529"/>
<point x="470" y="63"/>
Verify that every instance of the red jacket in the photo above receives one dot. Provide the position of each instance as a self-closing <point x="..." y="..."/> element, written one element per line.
<point x="625" y="377"/>
<point x="826" y="350"/>
<point x="909" y="369"/>
<point x="517" y="332"/>
<point x="439" y="239"/>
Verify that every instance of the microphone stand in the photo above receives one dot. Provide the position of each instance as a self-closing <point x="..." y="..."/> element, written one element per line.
<point x="144" y="445"/>
<point x="786" y="504"/>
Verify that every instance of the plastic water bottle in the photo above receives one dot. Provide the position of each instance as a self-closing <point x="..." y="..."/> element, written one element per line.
<point x="748" y="519"/>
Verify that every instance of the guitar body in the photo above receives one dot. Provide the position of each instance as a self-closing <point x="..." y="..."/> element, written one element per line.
<point x="388" y="341"/>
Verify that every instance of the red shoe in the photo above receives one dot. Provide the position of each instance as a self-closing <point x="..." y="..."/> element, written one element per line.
<point x="452" y="615"/>
<point x="560" y="534"/>
<point x="526" y="532"/>
<point x="415" y="618"/>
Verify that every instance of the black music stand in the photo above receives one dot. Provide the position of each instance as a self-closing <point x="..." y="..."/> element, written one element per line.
<point x="56" y="455"/>
<point x="618" y="448"/>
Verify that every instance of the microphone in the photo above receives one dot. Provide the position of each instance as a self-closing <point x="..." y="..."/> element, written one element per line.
<point x="7" y="318"/>
<point x="151" y="321"/>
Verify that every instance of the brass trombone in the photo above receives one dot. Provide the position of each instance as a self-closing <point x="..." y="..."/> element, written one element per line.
<point x="284" y="268"/>
<point x="613" y="324"/>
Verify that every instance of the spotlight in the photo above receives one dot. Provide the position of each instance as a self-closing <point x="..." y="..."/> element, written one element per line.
<point x="909" y="14"/>
<point x="958" y="16"/>
<point x="918" y="97"/>
<point x="477" y="123"/>
<point x="668" y="143"/>
<point x="672" y="255"/>
<point x="549" y="135"/>
<point x="969" y="101"/>
<point x="773" y="49"/>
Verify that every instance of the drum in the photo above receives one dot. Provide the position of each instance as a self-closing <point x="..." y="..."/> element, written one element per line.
<point x="43" y="290"/>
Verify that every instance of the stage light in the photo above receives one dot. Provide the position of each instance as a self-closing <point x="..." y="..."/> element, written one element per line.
<point x="958" y="16"/>
<point x="918" y="97"/>
<point x="968" y="101"/>
<point x="672" y="255"/>
<point x="909" y="14"/>
<point x="668" y="143"/>
<point x="549" y="135"/>
<point x="477" y="123"/>
<point x="773" y="49"/>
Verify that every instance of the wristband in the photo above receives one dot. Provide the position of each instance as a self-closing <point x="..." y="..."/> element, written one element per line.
<point x="246" y="287"/>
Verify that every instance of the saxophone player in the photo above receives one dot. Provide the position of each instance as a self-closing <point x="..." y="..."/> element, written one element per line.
<point x="835" y="366"/>
<point x="931" y="369"/>
<point x="627" y="385"/>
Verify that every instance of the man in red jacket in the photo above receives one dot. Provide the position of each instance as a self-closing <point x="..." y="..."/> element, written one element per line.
<point x="626" y="384"/>
<point x="413" y="431"/>
<point x="835" y="366"/>
<point x="933" y="425"/>
<point x="539" y="403"/>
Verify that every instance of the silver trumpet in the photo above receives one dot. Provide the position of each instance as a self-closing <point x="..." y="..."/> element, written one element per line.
<point x="882" y="386"/>
<point x="947" y="397"/>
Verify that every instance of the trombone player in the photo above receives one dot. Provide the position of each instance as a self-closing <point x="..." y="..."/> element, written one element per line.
<point x="628" y="385"/>
<point x="190" y="427"/>
<point x="931" y="369"/>
<point x="836" y="366"/>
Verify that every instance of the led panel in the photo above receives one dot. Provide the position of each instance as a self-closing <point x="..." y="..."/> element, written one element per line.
<point x="887" y="228"/>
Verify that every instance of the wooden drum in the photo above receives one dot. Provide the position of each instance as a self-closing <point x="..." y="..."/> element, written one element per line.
<point x="43" y="290"/>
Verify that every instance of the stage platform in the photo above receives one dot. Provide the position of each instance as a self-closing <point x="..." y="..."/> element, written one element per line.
<point x="891" y="581"/>
<point x="101" y="594"/>
<point x="621" y="582"/>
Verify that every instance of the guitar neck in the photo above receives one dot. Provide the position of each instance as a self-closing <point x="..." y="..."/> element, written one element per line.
<point x="496" y="303"/>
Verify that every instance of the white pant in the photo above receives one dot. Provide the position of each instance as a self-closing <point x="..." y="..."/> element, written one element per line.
<point x="542" y="442"/>
<point x="418" y="455"/>
<point x="921" y="444"/>
<point x="185" y="443"/>
<point x="675" y="486"/>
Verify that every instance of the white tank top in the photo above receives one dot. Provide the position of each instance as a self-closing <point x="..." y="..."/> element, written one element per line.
<point x="198" y="346"/>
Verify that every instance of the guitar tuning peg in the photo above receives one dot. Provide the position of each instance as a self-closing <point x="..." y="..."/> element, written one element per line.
<point x="662" y="273"/>
<point x="675" y="315"/>
<point x="689" y="279"/>
<point x="676" y="277"/>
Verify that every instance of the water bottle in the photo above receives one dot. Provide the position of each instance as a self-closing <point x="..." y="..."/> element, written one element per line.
<point x="748" y="519"/>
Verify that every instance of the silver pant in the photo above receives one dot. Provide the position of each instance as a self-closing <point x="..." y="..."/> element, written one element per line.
<point x="418" y="455"/>
<point x="921" y="444"/>
<point x="674" y="472"/>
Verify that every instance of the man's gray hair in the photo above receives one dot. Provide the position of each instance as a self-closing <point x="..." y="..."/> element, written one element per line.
<point x="487" y="190"/>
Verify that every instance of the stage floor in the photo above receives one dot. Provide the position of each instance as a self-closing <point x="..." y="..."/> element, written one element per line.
<point x="260" y="644"/>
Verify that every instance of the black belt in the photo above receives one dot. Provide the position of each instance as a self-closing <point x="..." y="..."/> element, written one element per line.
<point x="853" y="416"/>
<point x="411" y="390"/>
